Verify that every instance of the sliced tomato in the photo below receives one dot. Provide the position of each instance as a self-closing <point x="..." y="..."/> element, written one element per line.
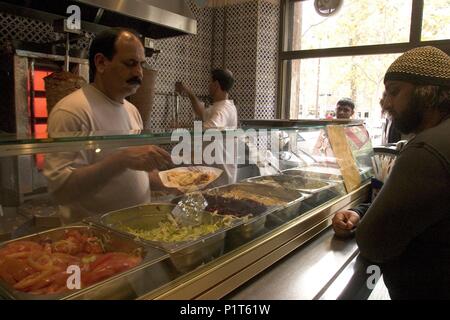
<point x="20" y="246"/>
<point x="62" y="260"/>
<point x="69" y="246"/>
<point x="55" y="288"/>
<point x="5" y="274"/>
<point x="101" y="258"/>
<point x="108" y="265"/>
<point x="14" y="270"/>
<point x="93" y="245"/>
<point x="32" y="280"/>
<point x="40" y="261"/>
<point x="74" y="234"/>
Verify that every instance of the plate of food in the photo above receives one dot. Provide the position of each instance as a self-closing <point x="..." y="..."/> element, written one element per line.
<point x="189" y="179"/>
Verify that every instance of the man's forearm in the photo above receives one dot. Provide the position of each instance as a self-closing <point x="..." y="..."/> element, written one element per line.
<point x="89" y="179"/>
<point x="197" y="105"/>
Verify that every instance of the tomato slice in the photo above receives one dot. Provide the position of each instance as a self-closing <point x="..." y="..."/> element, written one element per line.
<point x="109" y="265"/>
<point x="32" y="280"/>
<point x="93" y="245"/>
<point x="19" y="246"/>
<point x="40" y="261"/>
<point x="62" y="260"/>
<point x="69" y="246"/>
<point x="14" y="270"/>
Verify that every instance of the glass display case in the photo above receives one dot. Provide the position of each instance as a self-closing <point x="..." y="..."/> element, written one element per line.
<point x="135" y="237"/>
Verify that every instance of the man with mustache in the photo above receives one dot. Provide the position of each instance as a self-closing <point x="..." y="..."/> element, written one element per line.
<point x="88" y="181"/>
<point x="406" y="230"/>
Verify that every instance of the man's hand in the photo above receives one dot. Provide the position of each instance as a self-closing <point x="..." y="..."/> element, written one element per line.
<point x="181" y="88"/>
<point x="344" y="222"/>
<point x="145" y="158"/>
<point x="197" y="105"/>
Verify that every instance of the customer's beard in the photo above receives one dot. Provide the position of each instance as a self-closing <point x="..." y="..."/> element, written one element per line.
<point x="410" y="119"/>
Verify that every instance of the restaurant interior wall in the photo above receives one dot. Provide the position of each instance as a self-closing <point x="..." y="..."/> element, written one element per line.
<point x="242" y="36"/>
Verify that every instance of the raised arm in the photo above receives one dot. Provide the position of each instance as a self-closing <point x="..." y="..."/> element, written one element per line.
<point x="197" y="105"/>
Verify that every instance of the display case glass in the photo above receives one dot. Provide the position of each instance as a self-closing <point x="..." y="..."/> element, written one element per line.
<point x="159" y="230"/>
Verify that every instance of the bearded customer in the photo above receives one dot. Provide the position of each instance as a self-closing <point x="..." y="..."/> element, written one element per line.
<point x="90" y="182"/>
<point x="406" y="230"/>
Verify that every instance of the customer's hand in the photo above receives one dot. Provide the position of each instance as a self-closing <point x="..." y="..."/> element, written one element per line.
<point x="145" y="158"/>
<point x="344" y="222"/>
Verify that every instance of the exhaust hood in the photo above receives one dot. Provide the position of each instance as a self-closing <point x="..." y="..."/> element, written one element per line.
<point x="154" y="19"/>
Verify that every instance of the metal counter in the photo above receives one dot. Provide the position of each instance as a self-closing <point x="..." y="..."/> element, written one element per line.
<point x="304" y="274"/>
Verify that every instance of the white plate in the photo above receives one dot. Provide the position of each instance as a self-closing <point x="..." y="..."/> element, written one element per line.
<point x="215" y="172"/>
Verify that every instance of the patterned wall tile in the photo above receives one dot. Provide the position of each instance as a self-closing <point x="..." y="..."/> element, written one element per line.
<point x="24" y="29"/>
<point x="267" y="66"/>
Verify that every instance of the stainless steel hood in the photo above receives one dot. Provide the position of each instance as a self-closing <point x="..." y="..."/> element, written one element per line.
<point x="152" y="18"/>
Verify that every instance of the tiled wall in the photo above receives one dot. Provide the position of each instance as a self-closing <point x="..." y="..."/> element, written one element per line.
<point x="187" y="59"/>
<point x="242" y="37"/>
<point x="246" y="42"/>
<point x="266" y="60"/>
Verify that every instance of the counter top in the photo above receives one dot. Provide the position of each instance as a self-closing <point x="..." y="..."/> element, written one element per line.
<point x="305" y="274"/>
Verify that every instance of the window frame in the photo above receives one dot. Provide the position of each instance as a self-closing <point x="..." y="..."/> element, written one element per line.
<point x="285" y="56"/>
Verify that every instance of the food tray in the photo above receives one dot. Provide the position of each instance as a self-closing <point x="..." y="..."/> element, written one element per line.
<point x="316" y="173"/>
<point x="185" y="255"/>
<point x="252" y="228"/>
<point x="293" y="182"/>
<point x="325" y="173"/>
<point x="112" y="241"/>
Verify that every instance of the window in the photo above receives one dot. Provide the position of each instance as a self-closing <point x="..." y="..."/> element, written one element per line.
<point x="436" y="20"/>
<point x="358" y="22"/>
<point x="320" y="83"/>
<point x="347" y="54"/>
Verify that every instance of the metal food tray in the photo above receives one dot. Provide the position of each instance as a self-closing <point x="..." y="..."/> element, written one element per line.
<point x="112" y="241"/>
<point x="282" y="180"/>
<point x="255" y="226"/>
<point x="365" y="173"/>
<point x="303" y="172"/>
<point x="185" y="255"/>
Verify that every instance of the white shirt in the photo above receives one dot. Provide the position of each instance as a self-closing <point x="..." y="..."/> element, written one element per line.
<point x="85" y="110"/>
<point x="222" y="114"/>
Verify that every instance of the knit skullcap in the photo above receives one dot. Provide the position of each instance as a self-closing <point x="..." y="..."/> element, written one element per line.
<point x="423" y="66"/>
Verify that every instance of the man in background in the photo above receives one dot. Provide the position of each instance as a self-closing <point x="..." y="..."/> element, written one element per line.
<point x="223" y="113"/>
<point x="345" y="108"/>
